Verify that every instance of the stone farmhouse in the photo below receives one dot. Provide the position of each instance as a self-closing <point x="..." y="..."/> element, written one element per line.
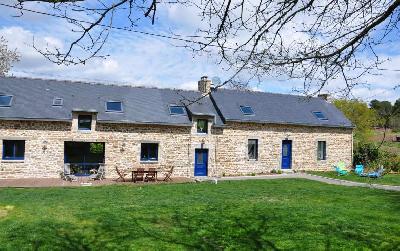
<point x="46" y="123"/>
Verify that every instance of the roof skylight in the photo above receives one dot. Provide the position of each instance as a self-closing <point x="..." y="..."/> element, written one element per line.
<point x="320" y="115"/>
<point x="176" y="110"/>
<point x="113" y="106"/>
<point x="5" y="100"/>
<point x="246" y="110"/>
<point x="58" y="102"/>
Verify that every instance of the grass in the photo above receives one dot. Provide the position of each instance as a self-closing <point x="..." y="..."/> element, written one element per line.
<point x="388" y="145"/>
<point x="240" y="215"/>
<point x="387" y="179"/>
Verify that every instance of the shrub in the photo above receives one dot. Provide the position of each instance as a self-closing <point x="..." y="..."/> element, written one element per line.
<point x="372" y="157"/>
<point x="366" y="154"/>
<point x="390" y="161"/>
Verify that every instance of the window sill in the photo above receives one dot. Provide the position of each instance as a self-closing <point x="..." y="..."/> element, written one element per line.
<point x="84" y="131"/>
<point x="252" y="160"/>
<point x="201" y="134"/>
<point x="149" y="162"/>
<point x="12" y="161"/>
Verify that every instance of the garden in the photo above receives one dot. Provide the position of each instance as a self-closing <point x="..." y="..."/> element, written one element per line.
<point x="246" y="215"/>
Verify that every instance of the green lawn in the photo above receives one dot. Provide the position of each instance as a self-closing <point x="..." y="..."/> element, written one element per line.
<point x="241" y="215"/>
<point x="387" y="179"/>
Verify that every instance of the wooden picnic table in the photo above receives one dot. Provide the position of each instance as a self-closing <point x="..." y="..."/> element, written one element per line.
<point x="146" y="170"/>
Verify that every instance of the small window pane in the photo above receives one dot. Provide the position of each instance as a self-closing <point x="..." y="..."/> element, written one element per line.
<point x="320" y="116"/>
<point x="202" y="126"/>
<point x="149" y="152"/>
<point x="321" y="152"/>
<point x="13" y="149"/>
<point x="5" y="100"/>
<point x="199" y="158"/>
<point x="247" y="110"/>
<point x="114" y="106"/>
<point x="253" y="149"/>
<point x="85" y="122"/>
<point x="176" y="110"/>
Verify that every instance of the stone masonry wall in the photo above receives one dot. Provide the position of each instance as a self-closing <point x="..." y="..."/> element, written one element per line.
<point x="44" y="147"/>
<point x="232" y="155"/>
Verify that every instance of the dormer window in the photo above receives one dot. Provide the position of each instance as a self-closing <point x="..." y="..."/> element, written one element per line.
<point x="58" y="102"/>
<point x="202" y="126"/>
<point x="176" y="110"/>
<point x="85" y="122"/>
<point x="5" y="100"/>
<point x="246" y="110"/>
<point x="320" y="115"/>
<point x="114" y="106"/>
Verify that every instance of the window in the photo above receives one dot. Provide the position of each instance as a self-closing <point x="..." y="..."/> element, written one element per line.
<point x="5" y="100"/>
<point x="13" y="149"/>
<point x="149" y="152"/>
<point x="114" y="106"/>
<point x="176" y="110"/>
<point x="247" y="110"/>
<point x="85" y="122"/>
<point x="320" y="116"/>
<point x="253" y="149"/>
<point x="58" y="102"/>
<point x="202" y="126"/>
<point x="321" y="152"/>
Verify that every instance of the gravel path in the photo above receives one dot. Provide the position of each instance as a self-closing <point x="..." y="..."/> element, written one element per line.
<point x="314" y="177"/>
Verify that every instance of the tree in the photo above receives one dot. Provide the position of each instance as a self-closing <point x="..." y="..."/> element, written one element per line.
<point x="7" y="57"/>
<point x="386" y="111"/>
<point x="315" y="41"/>
<point x="360" y="115"/>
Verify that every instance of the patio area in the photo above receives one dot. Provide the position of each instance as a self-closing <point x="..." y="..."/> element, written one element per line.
<point x="57" y="182"/>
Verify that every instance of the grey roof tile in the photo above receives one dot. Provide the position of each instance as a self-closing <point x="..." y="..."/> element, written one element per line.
<point x="277" y="108"/>
<point x="33" y="99"/>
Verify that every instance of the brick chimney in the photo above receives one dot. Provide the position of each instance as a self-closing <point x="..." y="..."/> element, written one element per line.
<point x="204" y="85"/>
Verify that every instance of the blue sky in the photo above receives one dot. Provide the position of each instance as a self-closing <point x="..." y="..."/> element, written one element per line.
<point x="149" y="61"/>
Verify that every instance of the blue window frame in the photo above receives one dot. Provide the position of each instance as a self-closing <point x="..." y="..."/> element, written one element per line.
<point x="176" y="110"/>
<point x="320" y="116"/>
<point x="246" y="110"/>
<point x="149" y="152"/>
<point x="85" y="122"/>
<point x="13" y="149"/>
<point x="5" y="100"/>
<point x="113" y="106"/>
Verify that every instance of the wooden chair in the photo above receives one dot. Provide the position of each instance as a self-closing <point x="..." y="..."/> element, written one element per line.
<point x="151" y="175"/>
<point x="168" y="174"/>
<point x="138" y="175"/>
<point x="121" y="174"/>
<point x="100" y="174"/>
<point x="67" y="175"/>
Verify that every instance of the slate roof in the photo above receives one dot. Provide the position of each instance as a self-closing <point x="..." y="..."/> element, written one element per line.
<point x="33" y="99"/>
<point x="277" y="108"/>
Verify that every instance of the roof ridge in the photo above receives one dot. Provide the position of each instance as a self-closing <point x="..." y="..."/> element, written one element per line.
<point x="94" y="83"/>
<point x="267" y="92"/>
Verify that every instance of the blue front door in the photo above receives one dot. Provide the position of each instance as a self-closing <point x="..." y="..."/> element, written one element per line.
<point x="286" y="154"/>
<point x="200" y="162"/>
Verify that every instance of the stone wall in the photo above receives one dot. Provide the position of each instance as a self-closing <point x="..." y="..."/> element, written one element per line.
<point x="232" y="148"/>
<point x="44" y="147"/>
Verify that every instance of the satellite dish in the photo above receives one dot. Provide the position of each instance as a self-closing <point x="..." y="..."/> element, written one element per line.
<point x="216" y="81"/>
